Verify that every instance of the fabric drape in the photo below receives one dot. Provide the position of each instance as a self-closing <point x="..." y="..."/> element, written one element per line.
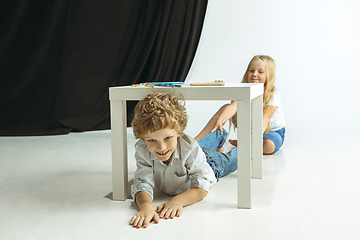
<point x="59" y="58"/>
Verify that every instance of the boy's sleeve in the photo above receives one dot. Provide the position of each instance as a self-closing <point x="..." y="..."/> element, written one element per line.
<point x="144" y="177"/>
<point x="200" y="173"/>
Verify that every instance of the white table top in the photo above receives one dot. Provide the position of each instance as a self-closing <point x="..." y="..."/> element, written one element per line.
<point x="231" y="91"/>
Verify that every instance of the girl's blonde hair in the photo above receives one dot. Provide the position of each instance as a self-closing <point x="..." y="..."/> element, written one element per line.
<point x="269" y="87"/>
<point x="158" y="111"/>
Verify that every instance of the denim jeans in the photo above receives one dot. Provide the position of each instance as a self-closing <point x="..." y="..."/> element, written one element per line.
<point x="277" y="137"/>
<point x="221" y="163"/>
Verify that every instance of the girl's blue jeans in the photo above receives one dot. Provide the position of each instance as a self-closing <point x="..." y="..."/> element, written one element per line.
<point x="221" y="163"/>
<point x="277" y="137"/>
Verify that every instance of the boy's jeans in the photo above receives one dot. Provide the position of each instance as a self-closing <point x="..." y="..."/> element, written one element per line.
<point x="221" y="163"/>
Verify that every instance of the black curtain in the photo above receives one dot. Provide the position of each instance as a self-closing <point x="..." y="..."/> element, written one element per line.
<point x="58" y="58"/>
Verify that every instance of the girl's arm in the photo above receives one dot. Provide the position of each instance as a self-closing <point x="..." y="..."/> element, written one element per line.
<point x="219" y="118"/>
<point x="225" y="115"/>
<point x="269" y="112"/>
<point x="146" y="213"/>
<point x="175" y="206"/>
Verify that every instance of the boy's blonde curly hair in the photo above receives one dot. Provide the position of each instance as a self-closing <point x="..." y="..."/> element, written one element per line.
<point x="158" y="111"/>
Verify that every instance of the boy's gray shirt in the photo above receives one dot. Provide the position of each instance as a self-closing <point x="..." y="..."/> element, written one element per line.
<point x="187" y="169"/>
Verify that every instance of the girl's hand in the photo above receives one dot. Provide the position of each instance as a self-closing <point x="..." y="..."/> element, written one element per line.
<point x="170" y="209"/>
<point x="143" y="217"/>
<point x="218" y="125"/>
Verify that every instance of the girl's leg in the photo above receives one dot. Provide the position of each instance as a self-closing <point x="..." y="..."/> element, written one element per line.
<point x="213" y="140"/>
<point x="268" y="147"/>
<point x="210" y="124"/>
<point x="273" y="141"/>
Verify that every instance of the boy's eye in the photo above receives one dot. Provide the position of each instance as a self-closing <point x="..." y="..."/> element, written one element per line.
<point x="151" y="140"/>
<point x="167" y="138"/>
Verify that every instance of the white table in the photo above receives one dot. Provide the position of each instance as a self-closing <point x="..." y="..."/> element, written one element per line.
<point x="249" y="98"/>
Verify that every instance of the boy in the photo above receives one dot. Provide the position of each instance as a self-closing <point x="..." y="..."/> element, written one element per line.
<point x="176" y="163"/>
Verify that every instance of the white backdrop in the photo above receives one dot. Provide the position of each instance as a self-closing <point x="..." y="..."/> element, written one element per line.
<point x="315" y="44"/>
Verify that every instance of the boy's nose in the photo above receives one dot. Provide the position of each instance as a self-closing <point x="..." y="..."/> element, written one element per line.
<point x="161" y="146"/>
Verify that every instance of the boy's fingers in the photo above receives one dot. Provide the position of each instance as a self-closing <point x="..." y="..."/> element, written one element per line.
<point x="167" y="214"/>
<point x="156" y="218"/>
<point x="139" y="222"/>
<point x="135" y="222"/>
<point x="163" y="212"/>
<point x="132" y="222"/>
<point x="143" y="223"/>
<point x="139" y="225"/>
<point x="159" y="208"/>
<point x="175" y="213"/>
<point x="146" y="222"/>
<point x="179" y="212"/>
<point x="134" y="218"/>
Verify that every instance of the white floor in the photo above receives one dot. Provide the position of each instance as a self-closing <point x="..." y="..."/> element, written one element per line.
<point x="59" y="187"/>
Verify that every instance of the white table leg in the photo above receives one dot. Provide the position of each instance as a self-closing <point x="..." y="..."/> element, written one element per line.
<point x="244" y="153"/>
<point x="119" y="150"/>
<point x="257" y="137"/>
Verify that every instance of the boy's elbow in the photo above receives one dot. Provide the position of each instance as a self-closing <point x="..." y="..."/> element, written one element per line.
<point x="199" y="193"/>
<point x="204" y="193"/>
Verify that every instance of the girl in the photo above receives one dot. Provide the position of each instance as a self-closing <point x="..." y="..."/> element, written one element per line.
<point x="261" y="69"/>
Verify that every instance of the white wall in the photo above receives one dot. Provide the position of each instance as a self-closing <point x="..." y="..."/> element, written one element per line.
<point x="315" y="44"/>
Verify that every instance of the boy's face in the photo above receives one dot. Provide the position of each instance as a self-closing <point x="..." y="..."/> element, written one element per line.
<point x="162" y="143"/>
<point x="257" y="71"/>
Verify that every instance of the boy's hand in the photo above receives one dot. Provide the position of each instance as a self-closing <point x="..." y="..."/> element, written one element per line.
<point x="143" y="217"/>
<point x="170" y="209"/>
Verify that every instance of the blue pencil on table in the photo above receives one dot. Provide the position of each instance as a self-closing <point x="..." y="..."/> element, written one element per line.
<point x="163" y="84"/>
<point x="159" y="84"/>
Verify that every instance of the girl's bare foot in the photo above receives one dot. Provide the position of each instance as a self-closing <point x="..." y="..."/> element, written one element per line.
<point x="233" y="142"/>
<point x="220" y="149"/>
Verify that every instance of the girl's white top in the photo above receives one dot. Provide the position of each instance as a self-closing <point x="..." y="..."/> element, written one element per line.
<point x="277" y="121"/>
